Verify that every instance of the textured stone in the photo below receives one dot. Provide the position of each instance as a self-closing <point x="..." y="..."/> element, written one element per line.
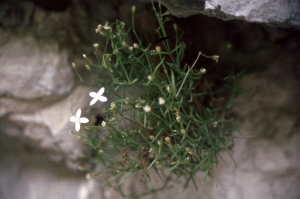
<point x="29" y="175"/>
<point x="47" y="129"/>
<point x="280" y="13"/>
<point x="31" y="71"/>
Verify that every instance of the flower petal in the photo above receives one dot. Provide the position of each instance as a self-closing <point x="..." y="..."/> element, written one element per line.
<point x="77" y="126"/>
<point x="103" y="99"/>
<point x="93" y="101"/>
<point x="93" y="94"/>
<point x="83" y="120"/>
<point x="101" y="91"/>
<point x="73" y="119"/>
<point x="78" y="113"/>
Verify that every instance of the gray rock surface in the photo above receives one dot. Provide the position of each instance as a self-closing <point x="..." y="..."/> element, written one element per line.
<point x="30" y="70"/>
<point x="47" y="129"/>
<point x="26" y="173"/>
<point x="280" y="13"/>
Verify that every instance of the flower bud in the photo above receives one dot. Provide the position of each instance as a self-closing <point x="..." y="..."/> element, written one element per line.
<point x="161" y="101"/>
<point x="215" y="124"/>
<point x="124" y="44"/>
<point x="151" y="137"/>
<point x="216" y="58"/>
<point x="183" y="131"/>
<point x="133" y="9"/>
<point x="159" y="142"/>
<point x="169" y="89"/>
<point x="188" y="159"/>
<point x="99" y="28"/>
<point x="167" y="139"/>
<point x="147" y="108"/>
<point x="202" y="71"/>
<point x="87" y="67"/>
<point x="158" y="49"/>
<point x="150" y="77"/>
<point x="135" y="45"/>
<point x="138" y="105"/>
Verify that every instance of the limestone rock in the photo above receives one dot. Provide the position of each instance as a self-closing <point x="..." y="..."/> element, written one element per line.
<point x="280" y="13"/>
<point x="47" y="129"/>
<point x="31" y="71"/>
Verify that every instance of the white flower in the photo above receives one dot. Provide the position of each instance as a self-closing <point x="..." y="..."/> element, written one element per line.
<point x="77" y="119"/>
<point x="98" y="96"/>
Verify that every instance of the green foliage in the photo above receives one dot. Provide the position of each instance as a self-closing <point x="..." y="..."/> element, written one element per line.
<point x="158" y="121"/>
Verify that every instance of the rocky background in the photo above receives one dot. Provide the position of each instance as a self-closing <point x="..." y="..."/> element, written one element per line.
<point x="39" y="91"/>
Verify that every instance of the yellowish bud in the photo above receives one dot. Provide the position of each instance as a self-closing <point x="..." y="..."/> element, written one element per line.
<point x="147" y="108"/>
<point x="133" y="9"/>
<point x="158" y="49"/>
<point x="161" y="101"/>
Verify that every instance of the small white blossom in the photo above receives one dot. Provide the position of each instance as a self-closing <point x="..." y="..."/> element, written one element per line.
<point x="98" y="96"/>
<point x="84" y="55"/>
<point x="103" y="124"/>
<point x="78" y="120"/>
<point x="96" y="45"/>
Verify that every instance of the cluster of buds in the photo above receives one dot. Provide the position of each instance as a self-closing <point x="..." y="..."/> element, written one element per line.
<point x="100" y="27"/>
